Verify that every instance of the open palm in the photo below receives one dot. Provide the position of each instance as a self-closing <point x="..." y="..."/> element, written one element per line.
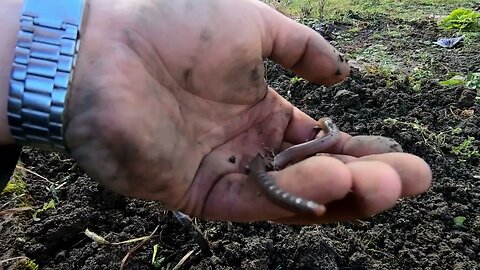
<point x="169" y="103"/>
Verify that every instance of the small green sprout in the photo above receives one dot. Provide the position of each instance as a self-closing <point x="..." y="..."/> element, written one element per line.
<point x="48" y="205"/>
<point x="157" y="263"/>
<point x="436" y="140"/>
<point x="295" y="79"/>
<point x="418" y="77"/>
<point x="466" y="149"/>
<point x="459" y="220"/>
<point x="27" y="264"/>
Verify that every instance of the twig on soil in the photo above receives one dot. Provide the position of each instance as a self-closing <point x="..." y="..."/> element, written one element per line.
<point x="36" y="174"/>
<point x="13" y="199"/>
<point x="52" y="184"/>
<point x="182" y="261"/>
<point x="187" y="223"/>
<point x="15" y="210"/>
<point x="14" y="259"/>
<point x="124" y="260"/>
<point x="102" y="241"/>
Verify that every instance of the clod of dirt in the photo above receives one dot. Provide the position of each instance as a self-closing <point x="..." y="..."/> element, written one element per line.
<point x="467" y="98"/>
<point x="327" y="30"/>
<point x="311" y="252"/>
<point x="346" y="98"/>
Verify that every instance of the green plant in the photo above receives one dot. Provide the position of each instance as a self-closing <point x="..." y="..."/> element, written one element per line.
<point x="418" y="77"/>
<point x="459" y="220"/>
<point x="306" y="9"/>
<point x="48" y="205"/>
<point x="462" y="19"/>
<point x="454" y="81"/>
<point x="471" y="81"/>
<point x="296" y="79"/>
<point x="432" y="139"/>
<point x="375" y="59"/>
<point x="466" y="149"/>
<point x="16" y="185"/>
<point x="102" y="241"/>
<point x="159" y="263"/>
<point x="27" y="264"/>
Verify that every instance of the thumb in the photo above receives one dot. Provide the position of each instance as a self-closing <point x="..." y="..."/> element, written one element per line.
<point x="301" y="49"/>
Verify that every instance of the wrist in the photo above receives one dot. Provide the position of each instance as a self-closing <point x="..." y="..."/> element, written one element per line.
<point x="10" y="14"/>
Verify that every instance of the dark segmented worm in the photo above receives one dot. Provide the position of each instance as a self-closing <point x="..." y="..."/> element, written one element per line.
<point x="284" y="199"/>
<point x="267" y="184"/>
<point x="306" y="149"/>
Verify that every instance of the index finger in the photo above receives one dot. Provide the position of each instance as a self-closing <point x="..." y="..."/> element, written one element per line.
<point x="301" y="49"/>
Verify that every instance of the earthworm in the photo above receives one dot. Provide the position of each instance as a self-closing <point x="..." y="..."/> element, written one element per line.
<point x="319" y="144"/>
<point x="266" y="182"/>
<point x="282" y="198"/>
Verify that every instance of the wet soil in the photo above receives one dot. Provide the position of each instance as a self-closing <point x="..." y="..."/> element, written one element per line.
<point x="428" y="120"/>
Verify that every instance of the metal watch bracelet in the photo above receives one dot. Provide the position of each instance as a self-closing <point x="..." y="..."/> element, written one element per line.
<point x="42" y="71"/>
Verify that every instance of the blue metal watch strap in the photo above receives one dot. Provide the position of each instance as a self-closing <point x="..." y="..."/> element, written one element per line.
<point x="44" y="61"/>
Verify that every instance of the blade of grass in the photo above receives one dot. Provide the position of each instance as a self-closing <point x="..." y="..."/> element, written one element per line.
<point x="183" y="260"/>
<point x="124" y="260"/>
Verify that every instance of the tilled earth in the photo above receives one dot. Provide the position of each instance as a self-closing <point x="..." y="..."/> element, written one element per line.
<point x="428" y="120"/>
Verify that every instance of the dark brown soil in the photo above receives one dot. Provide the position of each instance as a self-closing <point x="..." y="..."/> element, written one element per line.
<point x="418" y="233"/>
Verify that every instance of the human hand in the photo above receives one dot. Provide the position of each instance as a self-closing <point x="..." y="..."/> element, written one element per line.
<point x="169" y="103"/>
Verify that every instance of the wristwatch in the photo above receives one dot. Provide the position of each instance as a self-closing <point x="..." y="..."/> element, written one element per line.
<point x="45" y="56"/>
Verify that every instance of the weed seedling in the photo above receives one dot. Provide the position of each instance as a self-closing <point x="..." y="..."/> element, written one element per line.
<point x="295" y="80"/>
<point x="435" y="140"/>
<point x="459" y="221"/>
<point x="466" y="149"/>
<point x="157" y="263"/>
<point x="27" y="264"/>
<point x="418" y="77"/>
<point x="48" y="205"/>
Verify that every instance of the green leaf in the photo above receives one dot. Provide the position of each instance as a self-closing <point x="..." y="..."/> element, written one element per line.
<point x="473" y="81"/>
<point x="462" y="19"/>
<point x="50" y="205"/>
<point x="459" y="220"/>
<point x="454" y="81"/>
<point x="155" y="250"/>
